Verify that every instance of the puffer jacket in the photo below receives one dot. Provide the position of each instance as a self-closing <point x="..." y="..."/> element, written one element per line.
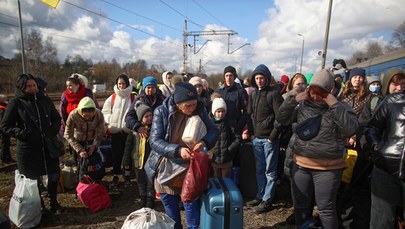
<point x="386" y="130"/>
<point x="163" y="122"/>
<point x="228" y="143"/>
<point x="79" y="130"/>
<point x="263" y="104"/>
<point x="131" y="152"/>
<point x="25" y="117"/>
<point x="114" y="116"/>
<point x="338" y="123"/>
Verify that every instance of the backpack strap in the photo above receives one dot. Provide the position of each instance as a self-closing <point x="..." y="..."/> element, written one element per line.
<point x="115" y="95"/>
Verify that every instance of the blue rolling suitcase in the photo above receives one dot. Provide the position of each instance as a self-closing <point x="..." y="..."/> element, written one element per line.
<point x="222" y="205"/>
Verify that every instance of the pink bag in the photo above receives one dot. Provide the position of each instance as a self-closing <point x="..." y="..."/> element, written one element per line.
<point x="94" y="195"/>
<point x="196" y="179"/>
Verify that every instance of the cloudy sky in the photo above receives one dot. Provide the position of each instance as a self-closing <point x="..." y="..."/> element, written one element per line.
<point x="265" y="31"/>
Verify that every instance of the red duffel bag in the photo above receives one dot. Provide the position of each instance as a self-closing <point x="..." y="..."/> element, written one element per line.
<point x="94" y="195"/>
<point x="196" y="179"/>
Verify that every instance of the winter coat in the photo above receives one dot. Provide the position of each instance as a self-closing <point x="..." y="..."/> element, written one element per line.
<point x="163" y="122"/>
<point x="167" y="88"/>
<point x="228" y="143"/>
<point x="388" y="133"/>
<point x="114" y="116"/>
<point x="263" y="104"/>
<point x="338" y="123"/>
<point x="28" y="118"/>
<point x="64" y="102"/>
<point x="131" y="152"/>
<point x="131" y="118"/>
<point x="236" y="100"/>
<point x="78" y="130"/>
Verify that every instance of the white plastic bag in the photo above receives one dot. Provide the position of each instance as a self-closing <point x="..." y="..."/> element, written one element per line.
<point x="25" y="204"/>
<point x="148" y="219"/>
<point x="194" y="131"/>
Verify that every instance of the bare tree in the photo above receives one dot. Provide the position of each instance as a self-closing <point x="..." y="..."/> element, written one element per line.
<point x="398" y="37"/>
<point x="374" y="49"/>
<point x="35" y="50"/>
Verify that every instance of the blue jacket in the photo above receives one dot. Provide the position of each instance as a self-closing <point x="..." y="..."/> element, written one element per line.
<point x="163" y="122"/>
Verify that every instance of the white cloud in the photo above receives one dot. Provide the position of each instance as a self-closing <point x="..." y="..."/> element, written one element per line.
<point x="353" y="25"/>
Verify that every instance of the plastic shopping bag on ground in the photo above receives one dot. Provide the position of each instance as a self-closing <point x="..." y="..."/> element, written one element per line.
<point x="149" y="219"/>
<point x="25" y="204"/>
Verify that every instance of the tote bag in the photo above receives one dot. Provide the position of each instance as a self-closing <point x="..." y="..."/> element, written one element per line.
<point x="25" y="204"/>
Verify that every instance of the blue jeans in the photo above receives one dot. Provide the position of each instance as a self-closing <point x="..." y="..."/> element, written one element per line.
<point x="266" y="156"/>
<point x="387" y="192"/>
<point x="171" y="205"/>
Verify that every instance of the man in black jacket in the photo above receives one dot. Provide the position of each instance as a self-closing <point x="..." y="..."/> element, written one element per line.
<point x="264" y="103"/>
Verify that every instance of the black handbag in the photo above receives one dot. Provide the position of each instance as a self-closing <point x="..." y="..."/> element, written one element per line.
<point x="309" y="128"/>
<point x="56" y="148"/>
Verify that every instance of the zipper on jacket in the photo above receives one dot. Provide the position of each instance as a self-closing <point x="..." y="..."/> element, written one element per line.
<point x="401" y="164"/>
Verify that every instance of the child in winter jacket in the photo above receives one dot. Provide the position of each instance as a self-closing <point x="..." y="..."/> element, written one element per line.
<point x="228" y="141"/>
<point x="137" y="149"/>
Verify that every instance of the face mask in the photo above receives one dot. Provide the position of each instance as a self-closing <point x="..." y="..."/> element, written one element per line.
<point x="374" y="88"/>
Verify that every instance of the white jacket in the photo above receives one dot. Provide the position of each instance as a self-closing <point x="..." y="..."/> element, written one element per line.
<point x="115" y="116"/>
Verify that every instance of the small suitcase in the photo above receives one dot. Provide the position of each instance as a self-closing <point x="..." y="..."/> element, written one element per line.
<point x="222" y="205"/>
<point x="247" y="174"/>
<point x="4" y="221"/>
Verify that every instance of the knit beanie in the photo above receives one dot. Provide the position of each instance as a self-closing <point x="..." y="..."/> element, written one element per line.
<point x="196" y="80"/>
<point x="284" y="79"/>
<point x="323" y="79"/>
<point x="184" y="91"/>
<point x="357" y="72"/>
<point x="309" y="77"/>
<point x="231" y="70"/>
<point x="141" y="110"/>
<point x="373" y="79"/>
<point x="149" y="81"/>
<point x="218" y="103"/>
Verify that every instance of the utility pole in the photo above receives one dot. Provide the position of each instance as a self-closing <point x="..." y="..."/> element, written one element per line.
<point x="325" y="43"/>
<point x="185" y="45"/>
<point x="24" y="62"/>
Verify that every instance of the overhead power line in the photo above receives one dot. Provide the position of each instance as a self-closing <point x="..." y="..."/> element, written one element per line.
<point x="139" y="15"/>
<point x="209" y="13"/>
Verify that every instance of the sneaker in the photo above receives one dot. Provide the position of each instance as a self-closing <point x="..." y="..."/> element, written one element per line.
<point x="253" y="203"/>
<point x="115" y="182"/>
<point x="263" y="207"/>
<point x="127" y="181"/>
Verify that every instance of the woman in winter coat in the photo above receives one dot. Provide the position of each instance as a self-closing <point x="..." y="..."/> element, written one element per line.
<point x="169" y="121"/>
<point x="318" y="162"/>
<point x="75" y="91"/>
<point x="114" y="110"/>
<point x="386" y="138"/>
<point x="168" y="87"/>
<point x="30" y="117"/>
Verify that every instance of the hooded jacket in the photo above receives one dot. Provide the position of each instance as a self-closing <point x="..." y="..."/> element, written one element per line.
<point x="79" y="130"/>
<point x="27" y="118"/>
<point x="338" y="123"/>
<point x="264" y="104"/>
<point x="114" y="116"/>
<point x="167" y="88"/>
<point x="160" y="135"/>
<point x="386" y="130"/>
<point x="387" y="79"/>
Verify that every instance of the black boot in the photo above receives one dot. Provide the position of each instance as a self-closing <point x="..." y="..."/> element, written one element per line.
<point x="52" y="189"/>
<point x="150" y="202"/>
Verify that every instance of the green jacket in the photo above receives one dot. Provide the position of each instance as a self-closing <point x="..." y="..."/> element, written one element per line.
<point x="131" y="151"/>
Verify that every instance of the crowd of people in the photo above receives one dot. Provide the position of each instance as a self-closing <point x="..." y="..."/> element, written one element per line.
<point x="303" y="127"/>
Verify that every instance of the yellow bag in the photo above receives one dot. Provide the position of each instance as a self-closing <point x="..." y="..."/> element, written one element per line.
<point x="351" y="157"/>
